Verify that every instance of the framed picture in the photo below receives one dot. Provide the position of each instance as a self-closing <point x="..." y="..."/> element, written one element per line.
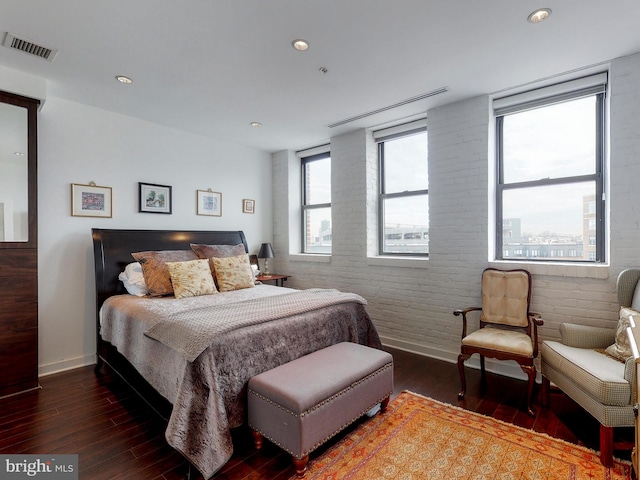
<point x="209" y="203"/>
<point x="154" y="198"/>
<point x="248" y="206"/>
<point x="90" y="200"/>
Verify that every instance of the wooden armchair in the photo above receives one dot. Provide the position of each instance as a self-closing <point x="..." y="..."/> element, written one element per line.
<point x="507" y="330"/>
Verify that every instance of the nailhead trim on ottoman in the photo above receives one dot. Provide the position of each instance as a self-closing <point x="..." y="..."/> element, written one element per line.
<point x="303" y="403"/>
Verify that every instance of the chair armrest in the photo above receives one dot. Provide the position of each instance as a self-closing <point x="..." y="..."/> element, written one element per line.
<point x="464" y="312"/>
<point x="583" y="336"/>
<point x="536" y="318"/>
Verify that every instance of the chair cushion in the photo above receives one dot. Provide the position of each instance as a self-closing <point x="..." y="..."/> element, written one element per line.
<point x="505" y="296"/>
<point x="600" y="376"/>
<point x="501" y="340"/>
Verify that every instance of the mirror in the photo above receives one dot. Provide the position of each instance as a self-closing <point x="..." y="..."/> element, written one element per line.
<point x="14" y="174"/>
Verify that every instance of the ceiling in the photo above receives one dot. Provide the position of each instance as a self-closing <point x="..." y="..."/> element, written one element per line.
<point x="212" y="67"/>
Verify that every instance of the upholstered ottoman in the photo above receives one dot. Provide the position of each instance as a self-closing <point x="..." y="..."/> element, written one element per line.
<point x="303" y="403"/>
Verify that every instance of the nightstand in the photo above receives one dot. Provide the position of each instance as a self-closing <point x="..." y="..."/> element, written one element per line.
<point x="277" y="279"/>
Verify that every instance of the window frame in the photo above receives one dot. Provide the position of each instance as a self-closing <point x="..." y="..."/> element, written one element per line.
<point x="599" y="92"/>
<point x="305" y="207"/>
<point x="382" y="195"/>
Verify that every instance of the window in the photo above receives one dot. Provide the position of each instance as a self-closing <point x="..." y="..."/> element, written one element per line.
<point x="403" y="204"/>
<point x="549" y="182"/>
<point x="316" y="203"/>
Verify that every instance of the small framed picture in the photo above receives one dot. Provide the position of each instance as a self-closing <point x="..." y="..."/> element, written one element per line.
<point x="248" y="206"/>
<point x="90" y="200"/>
<point x="209" y="203"/>
<point x="154" y="198"/>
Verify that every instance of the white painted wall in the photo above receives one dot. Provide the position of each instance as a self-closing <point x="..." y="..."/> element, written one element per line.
<point x="411" y="301"/>
<point x="79" y="144"/>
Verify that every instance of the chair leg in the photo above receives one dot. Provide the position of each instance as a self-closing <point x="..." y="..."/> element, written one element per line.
<point x="483" y="371"/>
<point x="546" y="392"/>
<point x="461" y="359"/>
<point x="606" y="446"/>
<point x="530" y="370"/>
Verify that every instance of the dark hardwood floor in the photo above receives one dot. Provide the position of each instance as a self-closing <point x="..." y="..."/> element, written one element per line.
<point x="118" y="436"/>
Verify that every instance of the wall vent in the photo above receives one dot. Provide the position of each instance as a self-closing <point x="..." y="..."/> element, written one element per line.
<point x="390" y="107"/>
<point x="26" y="46"/>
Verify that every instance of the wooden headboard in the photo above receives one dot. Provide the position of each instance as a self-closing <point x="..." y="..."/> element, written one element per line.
<point x="112" y="251"/>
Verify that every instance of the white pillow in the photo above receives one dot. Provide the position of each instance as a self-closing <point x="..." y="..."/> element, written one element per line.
<point x="255" y="271"/>
<point x="133" y="280"/>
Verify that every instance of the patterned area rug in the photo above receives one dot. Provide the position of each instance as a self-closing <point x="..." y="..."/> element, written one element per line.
<point x="421" y="438"/>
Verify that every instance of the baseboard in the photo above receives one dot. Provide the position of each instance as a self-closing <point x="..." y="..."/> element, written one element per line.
<point x="509" y="369"/>
<point x="506" y="368"/>
<point x="63" y="366"/>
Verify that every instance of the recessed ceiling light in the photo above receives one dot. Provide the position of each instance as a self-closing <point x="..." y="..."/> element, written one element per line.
<point x="18" y="154"/>
<point x="123" y="79"/>
<point x="256" y="124"/>
<point x="300" y="44"/>
<point x="539" y="15"/>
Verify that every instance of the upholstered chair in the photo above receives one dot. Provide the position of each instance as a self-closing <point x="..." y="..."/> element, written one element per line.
<point x="507" y="330"/>
<point x="595" y="367"/>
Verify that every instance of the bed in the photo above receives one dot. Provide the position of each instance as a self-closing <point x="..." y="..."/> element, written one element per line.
<point x="205" y="387"/>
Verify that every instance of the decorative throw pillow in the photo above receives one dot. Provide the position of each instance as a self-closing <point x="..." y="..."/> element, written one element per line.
<point x="220" y="251"/>
<point x="155" y="271"/>
<point x="233" y="273"/>
<point x="191" y="279"/>
<point x="621" y="349"/>
<point x="208" y="251"/>
<point x="133" y="280"/>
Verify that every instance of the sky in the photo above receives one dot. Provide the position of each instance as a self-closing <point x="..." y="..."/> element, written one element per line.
<point x="550" y="142"/>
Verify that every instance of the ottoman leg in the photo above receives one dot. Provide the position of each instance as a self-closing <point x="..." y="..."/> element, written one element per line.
<point x="257" y="439"/>
<point x="384" y="404"/>
<point x="301" y="465"/>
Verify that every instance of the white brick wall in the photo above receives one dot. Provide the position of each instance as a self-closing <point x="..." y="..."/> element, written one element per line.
<point x="411" y="303"/>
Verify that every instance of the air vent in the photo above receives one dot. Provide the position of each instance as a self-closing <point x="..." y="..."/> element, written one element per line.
<point x="17" y="43"/>
<point x="389" y="107"/>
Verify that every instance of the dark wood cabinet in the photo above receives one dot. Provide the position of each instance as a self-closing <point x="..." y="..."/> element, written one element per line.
<point x="19" y="261"/>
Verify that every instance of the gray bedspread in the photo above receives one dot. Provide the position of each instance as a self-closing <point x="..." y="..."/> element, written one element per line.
<point x="209" y="394"/>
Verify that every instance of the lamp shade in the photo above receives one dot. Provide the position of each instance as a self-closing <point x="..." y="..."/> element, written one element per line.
<point x="266" y="251"/>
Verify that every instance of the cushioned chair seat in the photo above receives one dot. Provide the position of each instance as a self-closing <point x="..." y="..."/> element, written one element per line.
<point x="502" y="340"/>
<point x="600" y="376"/>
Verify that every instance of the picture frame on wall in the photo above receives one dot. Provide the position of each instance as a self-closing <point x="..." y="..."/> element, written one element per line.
<point x="91" y="200"/>
<point x="154" y="198"/>
<point x="209" y="203"/>
<point x="248" y="206"/>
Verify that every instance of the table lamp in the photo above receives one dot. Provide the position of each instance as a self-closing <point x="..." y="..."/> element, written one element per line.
<point x="266" y="252"/>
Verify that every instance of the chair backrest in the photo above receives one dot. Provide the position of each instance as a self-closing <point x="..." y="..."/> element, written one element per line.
<point x="505" y="297"/>
<point x="626" y="287"/>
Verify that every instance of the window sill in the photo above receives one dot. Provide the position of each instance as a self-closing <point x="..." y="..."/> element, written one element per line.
<point x="406" y="262"/>
<point x="600" y="271"/>
<point x="310" y="257"/>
